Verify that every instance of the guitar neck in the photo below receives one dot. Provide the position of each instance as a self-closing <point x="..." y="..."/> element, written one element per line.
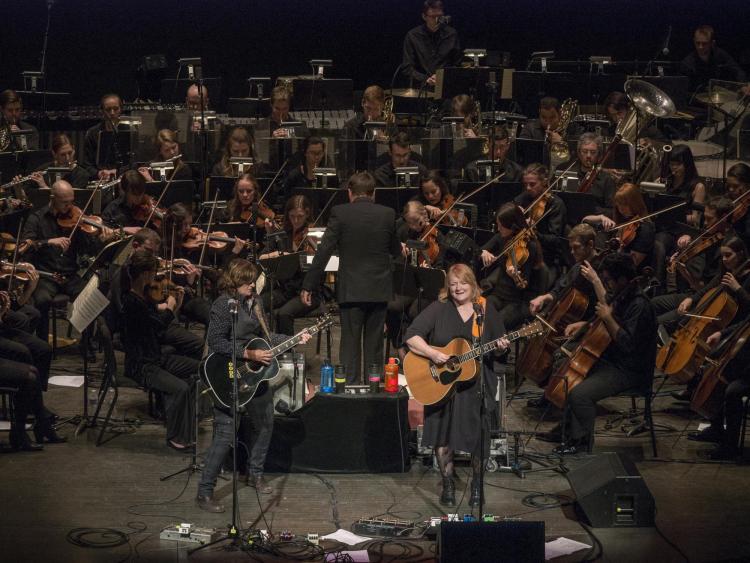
<point x="485" y="348"/>
<point x="294" y="340"/>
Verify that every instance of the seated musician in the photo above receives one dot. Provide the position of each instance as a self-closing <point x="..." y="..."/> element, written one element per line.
<point x="238" y="283"/>
<point x="399" y="150"/>
<point x="63" y="155"/>
<point x="287" y="304"/>
<point x="701" y="266"/>
<point x="172" y="333"/>
<point x="302" y="176"/>
<point x="683" y="180"/>
<point x="11" y="107"/>
<point x="501" y="145"/>
<point x="281" y="103"/>
<point x="239" y="143"/>
<point x="132" y="207"/>
<point x="414" y="223"/>
<point x="738" y="184"/>
<point x="435" y="195"/>
<point x="544" y="128"/>
<point x="101" y="154"/>
<point x="628" y="360"/>
<point x="430" y="46"/>
<point x="589" y="151"/>
<point x="455" y="424"/>
<point x="464" y="106"/>
<point x="167" y="147"/>
<point x="143" y="321"/>
<point x="707" y="61"/>
<point x="373" y="105"/>
<point x="55" y="251"/>
<point x="511" y="279"/>
<point x="731" y="411"/>
<point x="616" y="106"/>
<point x="194" y="100"/>
<point x="245" y="204"/>
<point x="547" y="215"/>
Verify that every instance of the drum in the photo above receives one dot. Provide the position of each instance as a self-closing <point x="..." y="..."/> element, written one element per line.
<point x="714" y="168"/>
<point x="702" y="150"/>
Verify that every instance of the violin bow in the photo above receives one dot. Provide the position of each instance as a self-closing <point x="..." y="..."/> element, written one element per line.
<point x="158" y="201"/>
<point x="516" y="238"/>
<point x="654" y="214"/>
<point x="83" y="212"/>
<point x="208" y="229"/>
<point x="549" y="188"/>
<point x="273" y="181"/>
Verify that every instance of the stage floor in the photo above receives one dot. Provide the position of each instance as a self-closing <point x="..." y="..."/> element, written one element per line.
<point x="701" y="506"/>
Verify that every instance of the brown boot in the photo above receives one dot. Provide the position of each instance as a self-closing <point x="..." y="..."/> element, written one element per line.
<point x="259" y="483"/>
<point x="208" y="504"/>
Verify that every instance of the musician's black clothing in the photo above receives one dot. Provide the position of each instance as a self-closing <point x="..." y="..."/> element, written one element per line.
<point x="513" y="171"/>
<point x="385" y="175"/>
<point x="78" y="177"/>
<point x="720" y="65"/>
<point x="354" y="129"/>
<point x="533" y="129"/>
<point x="455" y="423"/>
<point x="119" y="213"/>
<point x="426" y="51"/>
<point x="100" y="152"/>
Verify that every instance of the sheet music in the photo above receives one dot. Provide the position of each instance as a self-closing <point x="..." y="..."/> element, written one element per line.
<point x="88" y="305"/>
<point x="332" y="266"/>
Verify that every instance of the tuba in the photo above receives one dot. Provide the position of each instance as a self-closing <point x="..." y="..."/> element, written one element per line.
<point x="560" y="152"/>
<point x="648" y="102"/>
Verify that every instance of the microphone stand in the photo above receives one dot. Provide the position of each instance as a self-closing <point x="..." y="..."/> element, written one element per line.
<point x="234" y="306"/>
<point x="482" y="409"/>
<point x="203" y="132"/>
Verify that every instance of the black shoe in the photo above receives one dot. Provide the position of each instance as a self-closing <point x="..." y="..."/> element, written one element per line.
<point x="45" y="432"/>
<point x="683" y="395"/>
<point x="259" y="483"/>
<point x="208" y="504"/>
<point x="448" y="496"/>
<point x="554" y="435"/>
<point x="723" y="453"/>
<point x="20" y="442"/>
<point x="476" y="493"/>
<point x="711" y="434"/>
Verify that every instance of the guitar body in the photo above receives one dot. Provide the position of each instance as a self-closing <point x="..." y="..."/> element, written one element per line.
<point x="430" y="383"/>
<point x="216" y="373"/>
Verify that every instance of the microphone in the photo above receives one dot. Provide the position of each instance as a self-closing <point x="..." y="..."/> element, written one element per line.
<point x="479" y="313"/>
<point x="233" y="306"/>
<point x="445" y="20"/>
<point x="665" y="48"/>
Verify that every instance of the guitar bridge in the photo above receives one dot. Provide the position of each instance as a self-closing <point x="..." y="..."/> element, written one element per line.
<point x="434" y="373"/>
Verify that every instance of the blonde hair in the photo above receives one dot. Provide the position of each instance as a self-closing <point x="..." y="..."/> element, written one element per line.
<point x="464" y="274"/>
<point x="374" y="94"/>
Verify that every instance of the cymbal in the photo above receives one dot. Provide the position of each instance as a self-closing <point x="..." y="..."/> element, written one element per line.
<point x="410" y="93"/>
<point x="716" y="97"/>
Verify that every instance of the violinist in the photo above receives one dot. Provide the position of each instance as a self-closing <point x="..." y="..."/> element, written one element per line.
<point x="738" y="184"/>
<point x="245" y="205"/>
<point x="548" y="214"/>
<point x="502" y="164"/>
<point x="239" y="144"/>
<point x="628" y="360"/>
<point x="303" y="176"/>
<point x="287" y="304"/>
<point x="167" y="147"/>
<point x="399" y="151"/>
<point x="435" y="195"/>
<point x="514" y="266"/>
<point x="63" y="155"/>
<point x="55" y="251"/>
<point x="143" y="321"/>
<point x="133" y="206"/>
<point x="683" y="180"/>
<point x="101" y="153"/>
<point x="589" y="152"/>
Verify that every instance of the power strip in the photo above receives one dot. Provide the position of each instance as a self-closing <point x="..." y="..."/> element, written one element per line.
<point x="187" y="533"/>
<point x="381" y="527"/>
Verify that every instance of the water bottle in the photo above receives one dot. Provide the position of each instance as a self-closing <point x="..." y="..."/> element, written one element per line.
<point x="390" y="376"/>
<point x="339" y="376"/>
<point x="326" y="377"/>
<point x="93" y="399"/>
<point x="373" y="375"/>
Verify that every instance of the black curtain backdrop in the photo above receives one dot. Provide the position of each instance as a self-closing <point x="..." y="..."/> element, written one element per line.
<point x="96" y="46"/>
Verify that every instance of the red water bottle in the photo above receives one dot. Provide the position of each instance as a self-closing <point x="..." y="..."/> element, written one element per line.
<point x="390" y="377"/>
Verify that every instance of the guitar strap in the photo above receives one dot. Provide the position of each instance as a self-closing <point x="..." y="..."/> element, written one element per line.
<point x="258" y="310"/>
<point x="475" y="334"/>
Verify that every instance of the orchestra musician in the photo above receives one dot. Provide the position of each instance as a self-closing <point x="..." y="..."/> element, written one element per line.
<point x="548" y="215"/>
<point x="101" y="154"/>
<point x="464" y="106"/>
<point x="435" y="196"/>
<point x="455" y="424"/>
<point x="63" y="155"/>
<point x="683" y="180"/>
<point x="430" y="46"/>
<point x="238" y="283"/>
<point x="281" y="103"/>
<point x="245" y="205"/>
<point x="365" y="234"/>
<point x="707" y="61"/>
<point x="738" y="184"/>
<point x="239" y="143"/>
<point x="193" y="98"/>
<point x="132" y="207"/>
<point x="544" y="127"/>
<point x="167" y="147"/>
<point x="616" y="106"/>
<point x="589" y="151"/>
<point x="55" y="252"/>
<point x="518" y="274"/>
<point x="502" y="164"/>
<point x="142" y="323"/>
<point x="11" y="107"/>
<point x="628" y="360"/>
<point x="302" y="176"/>
<point x="399" y="151"/>
<point x="373" y="106"/>
<point x="287" y="304"/>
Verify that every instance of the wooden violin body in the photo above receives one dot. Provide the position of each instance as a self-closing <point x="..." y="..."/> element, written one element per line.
<point x="535" y="360"/>
<point x="681" y="357"/>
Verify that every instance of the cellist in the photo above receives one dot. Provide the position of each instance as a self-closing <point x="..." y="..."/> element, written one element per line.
<point x="627" y="360"/>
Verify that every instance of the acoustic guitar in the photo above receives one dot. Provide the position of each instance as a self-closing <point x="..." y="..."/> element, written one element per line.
<point x="217" y="369"/>
<point x="430" y="383"/>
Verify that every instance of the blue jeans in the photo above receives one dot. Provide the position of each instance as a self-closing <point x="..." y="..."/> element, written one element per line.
<point x="259" y="413"/>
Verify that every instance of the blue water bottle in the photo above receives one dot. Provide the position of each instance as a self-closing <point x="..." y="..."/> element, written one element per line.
<point x="326" y="377"/>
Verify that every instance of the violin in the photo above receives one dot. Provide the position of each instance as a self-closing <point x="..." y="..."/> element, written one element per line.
<point x="146" y="208"/>
<point x="302" y="243"/>
<point x="432" y="249"/>
<point x="455" y="218"/>
<point x="163" y="288"/>
<point x="21" y="272"/>
<point x="217" y="240"/>
<point x="264" y="212"/>
<point x="90" y="224"/>
<point x="627" y="234"/>
<point x="692" y="250"/>
<point x="516" y="258"/>
<point x="178" y="266"/>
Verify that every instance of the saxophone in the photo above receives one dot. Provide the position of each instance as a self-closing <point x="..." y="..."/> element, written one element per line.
<point x="560" y="152"/>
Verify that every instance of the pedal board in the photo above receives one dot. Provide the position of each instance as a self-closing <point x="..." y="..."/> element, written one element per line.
<point x="187" y="533"/>
<point x="387" y="527"/>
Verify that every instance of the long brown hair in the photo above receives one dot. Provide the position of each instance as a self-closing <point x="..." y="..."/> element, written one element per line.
<point x="237" y="135"/>
<point x="238" y="273"/>
<point x="630" y="195"/>
<point x="233" y="207"/>
<point x="296" y="202"/>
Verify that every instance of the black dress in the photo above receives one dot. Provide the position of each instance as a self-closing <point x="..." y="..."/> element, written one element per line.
<point x="455" y="421"/>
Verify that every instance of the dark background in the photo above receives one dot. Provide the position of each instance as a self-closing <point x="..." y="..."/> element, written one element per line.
<point x="96" y="45"/>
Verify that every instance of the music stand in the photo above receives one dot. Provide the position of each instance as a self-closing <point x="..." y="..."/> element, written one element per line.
<point x="452" y="81"/>
<point x="669" y="221"/>
<point x="9" y="166"/>
<point x="223" y="185"/>
<point x="528" y="151"/>
<point x="249" y="107"/>
<point x="323" y="94"/>
<point x="318" y="197"/>
<point x="395" y="198"/>
<point x="578" y="205"/>
<point x="174" y="91"/>
<point x="180" y="191"/>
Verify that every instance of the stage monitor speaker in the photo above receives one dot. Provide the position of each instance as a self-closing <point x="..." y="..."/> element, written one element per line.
<point x="610" y="492"/>
<point x="288" y="395"/>
<point x="491" y="542"/>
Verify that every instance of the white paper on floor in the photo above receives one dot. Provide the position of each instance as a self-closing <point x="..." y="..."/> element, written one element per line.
<point x="562" y="546"/>
<point x="66" y="380"/>
<point x="345" y="536"/>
